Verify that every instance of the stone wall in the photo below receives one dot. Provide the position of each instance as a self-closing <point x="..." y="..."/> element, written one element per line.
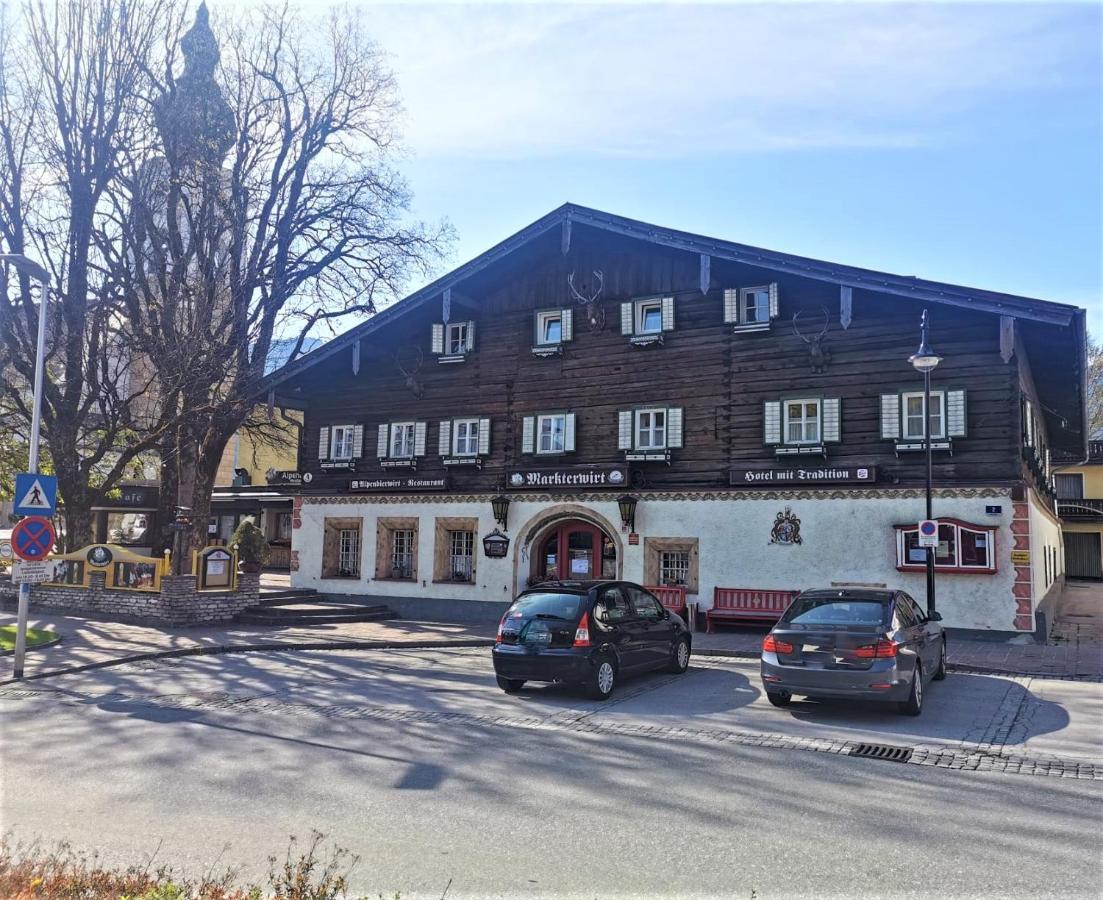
<point x="177" y="603"/>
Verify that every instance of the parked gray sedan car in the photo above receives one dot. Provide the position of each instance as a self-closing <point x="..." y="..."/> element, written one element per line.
<point x="867" y="644"/>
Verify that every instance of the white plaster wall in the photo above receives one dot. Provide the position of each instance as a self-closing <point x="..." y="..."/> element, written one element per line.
<point x="1045" y="531"/>
<point x="844" y="540"/>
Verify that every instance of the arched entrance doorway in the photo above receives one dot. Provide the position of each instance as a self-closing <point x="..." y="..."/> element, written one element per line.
<point x="574" y="550"/>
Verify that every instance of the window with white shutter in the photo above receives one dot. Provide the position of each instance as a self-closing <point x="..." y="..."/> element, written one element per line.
<point x="400" y="443"/>
<point x="341" y="442"/>
<point x="553" y="327"/>
<point x="452" y="341"/>
<point x="771" y="426"/>
<point x="832" y="420"/>
<point x="751" y="308"/>
<point x="905" y="418"/>
<point x="437" y="338"/>
<point x="548" y="433"/>
<point x="649" y="433"/>
<point x="323" y="443"/>
<point x="528" y="434"/>
<point x="624" y="430"/>
<point x="647" y="319"/>
<point x="484" y="437"/>
<point x="444" y="438"/>
<point x="384" y="441"/>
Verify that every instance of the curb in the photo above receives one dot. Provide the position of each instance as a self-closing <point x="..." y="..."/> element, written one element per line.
<point x="268" y="646"/>
<point x="56" y="639"/>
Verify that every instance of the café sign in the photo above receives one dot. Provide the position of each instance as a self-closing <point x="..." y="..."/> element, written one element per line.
<point x="610" y="477"/>
<point x="803" y="475"/>
<point x="410" y="483"/>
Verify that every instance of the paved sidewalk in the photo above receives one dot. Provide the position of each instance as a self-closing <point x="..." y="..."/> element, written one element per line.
<point x="86" y="641"/>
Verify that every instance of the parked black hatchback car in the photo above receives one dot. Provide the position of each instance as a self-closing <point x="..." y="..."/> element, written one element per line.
<point x="587" y="633"/>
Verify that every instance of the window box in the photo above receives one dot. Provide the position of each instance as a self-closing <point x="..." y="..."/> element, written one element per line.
<point x="644" y="321"/>
<point x="751" y="309"/>
<point x="963" y="549"/>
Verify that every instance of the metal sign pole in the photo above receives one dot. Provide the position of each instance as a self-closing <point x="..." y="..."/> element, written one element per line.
<point x="42" y="276"/>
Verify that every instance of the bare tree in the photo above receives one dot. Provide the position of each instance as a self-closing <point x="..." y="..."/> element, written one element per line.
<point x="70" y="77"/>
<point x="272" y="204"/>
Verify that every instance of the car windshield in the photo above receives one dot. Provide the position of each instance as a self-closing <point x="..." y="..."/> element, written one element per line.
<point x="834" y="611"/>
<point x="559" y="606"/>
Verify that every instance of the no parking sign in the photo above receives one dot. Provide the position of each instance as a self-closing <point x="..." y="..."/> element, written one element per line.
<point x="33" y="538"/>
<point x="928" y="533"/>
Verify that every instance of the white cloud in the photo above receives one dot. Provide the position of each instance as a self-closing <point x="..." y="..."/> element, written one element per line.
<point x="688" y="80"/>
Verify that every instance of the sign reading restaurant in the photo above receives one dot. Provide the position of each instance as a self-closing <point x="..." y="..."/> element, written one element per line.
<point x="802" y="475"/>
<point x="412" y="483"/>
<point x="570" y="477"/>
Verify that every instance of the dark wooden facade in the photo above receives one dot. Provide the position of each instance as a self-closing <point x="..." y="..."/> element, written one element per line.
<point x="721" y="379"/>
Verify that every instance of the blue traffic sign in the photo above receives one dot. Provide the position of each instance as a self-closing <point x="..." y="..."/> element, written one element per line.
<point x="35" y="495"/>
<point x="33" y="538"/>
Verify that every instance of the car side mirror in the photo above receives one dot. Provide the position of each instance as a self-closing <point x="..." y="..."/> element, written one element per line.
<point x="935" y="616"/>
<point x="665" y="613"/>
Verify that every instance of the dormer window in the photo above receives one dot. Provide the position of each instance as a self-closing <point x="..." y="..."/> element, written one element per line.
<point x="647" y="319"/>
<point x="751" y="308"/>
<point x="452" y="341"/>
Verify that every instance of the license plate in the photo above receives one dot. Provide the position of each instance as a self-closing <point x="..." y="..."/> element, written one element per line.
<point x="539" y="637"/>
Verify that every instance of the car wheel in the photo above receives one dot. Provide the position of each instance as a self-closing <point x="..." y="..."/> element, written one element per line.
<point x="510" y="685"/>
<point x="940" y="672"/>
<point x="602" y="679"/>
<point x="679" y="658"/>
<point x="913" y="706"/>
<point x="779" y="698"/>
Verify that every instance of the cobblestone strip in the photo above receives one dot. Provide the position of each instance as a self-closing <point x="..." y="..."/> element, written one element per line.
<point x="975" y="757"/>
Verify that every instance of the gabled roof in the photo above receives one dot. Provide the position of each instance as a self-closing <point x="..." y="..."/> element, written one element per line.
<point x="1025" y="308"/>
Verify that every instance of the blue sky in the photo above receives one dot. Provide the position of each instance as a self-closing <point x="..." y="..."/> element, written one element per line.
<point x="960" y="142"/>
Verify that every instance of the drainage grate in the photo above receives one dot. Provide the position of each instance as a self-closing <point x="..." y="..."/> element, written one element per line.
<point x="882" y="751"/>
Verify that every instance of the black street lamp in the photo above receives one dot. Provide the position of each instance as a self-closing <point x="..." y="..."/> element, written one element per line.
<point x="500" y="507"/>
<point x="627" y="505"/>
<point x="925" y="360"/>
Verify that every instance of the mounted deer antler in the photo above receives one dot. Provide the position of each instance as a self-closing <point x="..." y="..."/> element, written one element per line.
<point x="595" y="312"/>
<point x="411" y="380"/>
<point x="818" y="357"/>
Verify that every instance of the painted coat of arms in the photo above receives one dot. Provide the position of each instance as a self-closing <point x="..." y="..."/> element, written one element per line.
<point x="786" y="528"/>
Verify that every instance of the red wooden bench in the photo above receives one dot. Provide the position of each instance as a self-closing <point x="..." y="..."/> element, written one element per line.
<point x="747" y="605"/>
<point x="671" y="596"/>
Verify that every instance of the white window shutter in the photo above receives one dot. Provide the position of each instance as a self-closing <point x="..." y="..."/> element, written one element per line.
<point x="381" y="446"/>
<point x="773" y="300"/>
<point x="567" y="324"/>
<point x="626" y="318"/>
<point x="771" y="428"/>
<point x="323" y="443"/>
<point x="624" y="429"/>
<point x="420" y="428"/>
<point x="357" y="441"/>
<point x="731" y="306"/>
<point x="668" y="313"/>
<point x="444" y="440"/>
<point x="484" y="437"/>
<point x="955" y="413"/>
<point x="890" y="417"/>
<point x="568" y="436"/>
<point x="470" y="336"/>
<point x="438" y="337"/>
<point x="832" y="418"/>
<point x="528" y="434"/>
<point x="674" y="427"/>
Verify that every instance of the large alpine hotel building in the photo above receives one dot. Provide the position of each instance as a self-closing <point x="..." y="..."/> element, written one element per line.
<point x="673" y="409"/>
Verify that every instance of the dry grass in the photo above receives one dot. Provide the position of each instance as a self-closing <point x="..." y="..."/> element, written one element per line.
<point x="311" y="872"/>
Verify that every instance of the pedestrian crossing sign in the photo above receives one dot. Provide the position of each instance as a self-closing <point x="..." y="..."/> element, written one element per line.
<point x="35" y="495"/>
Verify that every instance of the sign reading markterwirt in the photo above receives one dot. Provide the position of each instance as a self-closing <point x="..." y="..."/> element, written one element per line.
<point x="568" y="478"/>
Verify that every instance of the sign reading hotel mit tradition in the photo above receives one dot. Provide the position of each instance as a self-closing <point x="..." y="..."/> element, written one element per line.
<point x="411" y="483"/>
<point x="804" y="475"/>
<point x="611" y="477"/>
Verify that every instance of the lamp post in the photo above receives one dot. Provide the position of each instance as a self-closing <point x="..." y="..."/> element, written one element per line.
<point x="925" y="360"/>
<point x="31" y="269"/>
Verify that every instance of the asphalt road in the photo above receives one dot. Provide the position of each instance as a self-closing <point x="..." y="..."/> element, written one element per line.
<point x="417" y="763"/>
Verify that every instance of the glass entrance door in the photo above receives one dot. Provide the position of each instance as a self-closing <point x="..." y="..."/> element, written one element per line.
<point x="576" y="551"/>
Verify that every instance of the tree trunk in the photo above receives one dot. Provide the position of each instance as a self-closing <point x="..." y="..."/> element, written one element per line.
<point x="166" y="499"/>
<point x="78" y="526"/>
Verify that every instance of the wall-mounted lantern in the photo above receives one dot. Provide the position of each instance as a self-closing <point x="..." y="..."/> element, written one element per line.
<point x="500" y="507"/>
<point x="627" y="504"/>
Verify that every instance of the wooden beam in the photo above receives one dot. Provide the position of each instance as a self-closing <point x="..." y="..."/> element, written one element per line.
<point x="565" y="236"/>
<point x="1007" y="338"/>
<point x="446" y="305"/>
<point x="705" y="273"/>
<point x="356" y="358"/>
<point x="846" y="310"/>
